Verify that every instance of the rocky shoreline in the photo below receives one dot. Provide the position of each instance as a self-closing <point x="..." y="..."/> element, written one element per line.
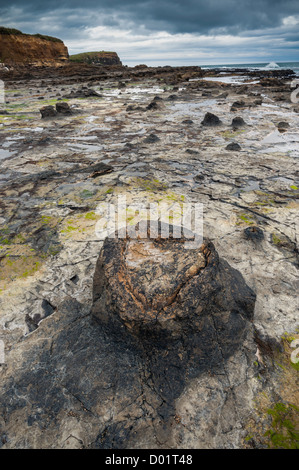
<point x="71" y="377"/>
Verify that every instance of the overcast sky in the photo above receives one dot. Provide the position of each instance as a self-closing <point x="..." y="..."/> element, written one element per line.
<point x="166" y="32"/>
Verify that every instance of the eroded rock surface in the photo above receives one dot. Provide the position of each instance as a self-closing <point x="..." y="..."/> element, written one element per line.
<point x="73" y="381"/>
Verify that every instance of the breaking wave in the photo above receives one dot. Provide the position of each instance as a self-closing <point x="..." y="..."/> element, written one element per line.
<point x="272" y="65"/>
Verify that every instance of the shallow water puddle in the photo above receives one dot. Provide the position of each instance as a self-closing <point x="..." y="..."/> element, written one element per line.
<point x="283" y="179"/>
<point x="252" y="185"/>
<point x="137" y="92"/>
<point x="232" y="80"/>
<point x="87" y="137"/>
<point x="90" y="148"/>
<point x="6" y="153"/>
<point x="187" y="109"/>
<point x="287" y="142"/>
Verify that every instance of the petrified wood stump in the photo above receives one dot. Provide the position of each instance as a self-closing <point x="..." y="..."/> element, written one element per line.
<point x="164" y="294"/>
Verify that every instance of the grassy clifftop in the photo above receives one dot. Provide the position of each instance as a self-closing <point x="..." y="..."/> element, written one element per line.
<point x="17" y="32"/>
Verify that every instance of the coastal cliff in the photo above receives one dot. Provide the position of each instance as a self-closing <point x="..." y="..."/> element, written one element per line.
<point x="17" y="48"/>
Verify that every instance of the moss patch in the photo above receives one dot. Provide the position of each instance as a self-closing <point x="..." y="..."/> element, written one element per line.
<point x="245" y="218"/>
<point x="80" y="226"/>
<point x="230" y="135"/>
<point x="151" y="185"/>
<point x="12" y="267"/>
<point x="276" y="421"/>
<point x="282" y="433"/>
<point x="275" y="239"/>
<point x="91" y="216"/>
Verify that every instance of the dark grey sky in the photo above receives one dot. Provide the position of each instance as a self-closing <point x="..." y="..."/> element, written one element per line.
<point x="166" y="31"/>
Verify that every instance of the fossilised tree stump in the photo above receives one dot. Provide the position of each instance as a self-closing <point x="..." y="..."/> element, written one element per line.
<point x="161" y="292"/>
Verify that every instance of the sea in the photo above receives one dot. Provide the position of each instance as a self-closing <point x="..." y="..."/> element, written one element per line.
<point x="257" y="66"/>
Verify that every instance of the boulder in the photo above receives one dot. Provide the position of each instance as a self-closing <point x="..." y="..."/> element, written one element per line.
<point x="63" y="108"/>
<point x="233" y="146"/>
<point x="48" y="111"/>
<point x="211" y="120"/>
<point x="152" y="106"/>
<point x="238" y="105"/>
<point x="82" y="93"/>
<point x="283" y="125"/>
<point x="159" y="291"/>
<point x="173" y="97"/>
<point x="238" y="122"/>
<point x="151" y="139"/>
<point x="163" y="318"/>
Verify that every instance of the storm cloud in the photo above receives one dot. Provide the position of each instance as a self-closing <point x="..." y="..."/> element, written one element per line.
<point x="198" y="31"/>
